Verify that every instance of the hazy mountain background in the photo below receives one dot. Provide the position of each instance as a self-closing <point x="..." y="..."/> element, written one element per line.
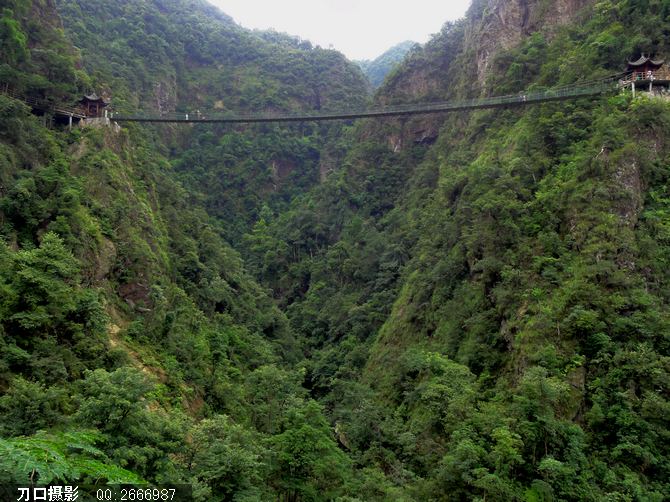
<point x="463" y="307"/>
<point x="378" y="69"/>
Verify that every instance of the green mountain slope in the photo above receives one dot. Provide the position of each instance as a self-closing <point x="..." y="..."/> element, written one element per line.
<point x="108" y="265"/>
<point x="377" y="69"/>
<point x="522" y="253"/>
<point x="460" y="307"/>
<point x="181" y="56"/>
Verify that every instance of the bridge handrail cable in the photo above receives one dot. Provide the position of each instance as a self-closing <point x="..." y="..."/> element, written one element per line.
<point x="559" y="92"/>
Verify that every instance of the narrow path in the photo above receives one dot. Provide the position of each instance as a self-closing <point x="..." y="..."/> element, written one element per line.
<point x="40" y="104"/>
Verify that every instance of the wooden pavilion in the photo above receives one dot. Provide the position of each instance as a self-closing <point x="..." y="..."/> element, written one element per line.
<point x="93" y="105"/>
<point x="645" y="71"/>
<point x="645" y="64"/>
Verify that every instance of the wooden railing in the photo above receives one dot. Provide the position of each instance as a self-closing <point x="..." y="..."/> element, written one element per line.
<point x="645" y="76"/>
<point x="40" y="103"/>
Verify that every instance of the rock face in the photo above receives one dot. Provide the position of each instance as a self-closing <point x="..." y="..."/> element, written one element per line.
<point x="136" y="291"/>
<point x="45" y="13"/>
<point x="493" y="26"/>
<point x="501" y="24"/>
<point x="166" y="96"/>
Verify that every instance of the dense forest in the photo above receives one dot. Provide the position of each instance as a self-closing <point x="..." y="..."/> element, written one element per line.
<point x="377" y="69"/>
<point x="461" y="307"/>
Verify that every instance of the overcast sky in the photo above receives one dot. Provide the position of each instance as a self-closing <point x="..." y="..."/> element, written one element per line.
<point x="361" y="29"/>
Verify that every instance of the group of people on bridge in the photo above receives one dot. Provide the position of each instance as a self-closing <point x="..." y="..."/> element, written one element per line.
<point x="203" y="117"/>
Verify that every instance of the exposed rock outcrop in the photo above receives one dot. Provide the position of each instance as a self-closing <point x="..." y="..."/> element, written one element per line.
<point x="166" y="97"/>
<point x="503" y="23"/>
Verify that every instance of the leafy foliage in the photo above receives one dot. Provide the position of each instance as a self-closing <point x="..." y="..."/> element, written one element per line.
<point x="46" y="458"/>
<point x="482" y="316"/>
<point x="378" y="69"/>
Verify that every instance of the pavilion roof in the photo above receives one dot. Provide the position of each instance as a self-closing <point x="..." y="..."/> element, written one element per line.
<point x="94" y="98"/>
<point x="645" y="61"/>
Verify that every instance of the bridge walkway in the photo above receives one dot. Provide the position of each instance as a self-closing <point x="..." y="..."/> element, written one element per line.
<point x="539" y="96"/>
<point x="41" y="104"/>
<point x="524" y="98"/>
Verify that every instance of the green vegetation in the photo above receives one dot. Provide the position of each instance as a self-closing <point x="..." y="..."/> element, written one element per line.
<point x="54" y="458"/>
<point x="378" y="69"/>
<point x="334" y="312"/>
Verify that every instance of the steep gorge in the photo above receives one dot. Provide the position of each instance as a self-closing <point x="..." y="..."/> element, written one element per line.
<point x="461" y="307"/>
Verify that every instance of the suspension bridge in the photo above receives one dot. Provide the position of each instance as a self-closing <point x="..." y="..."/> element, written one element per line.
<point x="524" y="98"/>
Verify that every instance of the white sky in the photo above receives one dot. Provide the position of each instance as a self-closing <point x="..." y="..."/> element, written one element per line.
<point x="360" y="29"/>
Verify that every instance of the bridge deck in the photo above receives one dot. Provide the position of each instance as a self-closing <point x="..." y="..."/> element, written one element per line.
<point x="554" y="94"/>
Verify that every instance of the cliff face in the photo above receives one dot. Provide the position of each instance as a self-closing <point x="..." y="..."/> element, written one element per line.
<point x="46" y="14"/>
<point x="43" y="30"/>
<point x="456" y="63"/>
<point x="501" y="24"/>
<point x="471" y="44"/>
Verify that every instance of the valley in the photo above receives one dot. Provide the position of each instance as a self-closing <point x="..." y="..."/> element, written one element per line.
<point x="464" y="306"/>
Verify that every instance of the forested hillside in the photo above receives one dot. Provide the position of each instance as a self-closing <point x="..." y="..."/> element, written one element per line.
<point x="189" y="57"/>
<point x="377" y="69"/>
<point x="465" y="307"/>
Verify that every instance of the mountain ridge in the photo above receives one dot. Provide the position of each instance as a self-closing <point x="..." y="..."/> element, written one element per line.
<point x="465" y="307"/>
<point x="378" y="68"/>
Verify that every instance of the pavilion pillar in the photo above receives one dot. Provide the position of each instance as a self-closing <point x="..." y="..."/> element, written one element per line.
<point x="633" y="85"/>
<point x="70" y="124"/>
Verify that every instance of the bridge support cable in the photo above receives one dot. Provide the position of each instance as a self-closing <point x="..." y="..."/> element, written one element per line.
<point x="539" y="96"/>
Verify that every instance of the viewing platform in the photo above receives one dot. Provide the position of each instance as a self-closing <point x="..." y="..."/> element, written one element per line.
<point x="645" y="72"/>
<point x="638" y="77"/>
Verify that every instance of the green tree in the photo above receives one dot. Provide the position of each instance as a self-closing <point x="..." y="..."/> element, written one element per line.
<point x="40" y="292"/>
<point x="226" y="458"/>
<point x="150" y="443"/>
<point x="29" y="406"/>
<point x="113" y="401"/>
<point x="308" y="462"/>
<point x="46" y="458"/>
<point x="272" y="392"/>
